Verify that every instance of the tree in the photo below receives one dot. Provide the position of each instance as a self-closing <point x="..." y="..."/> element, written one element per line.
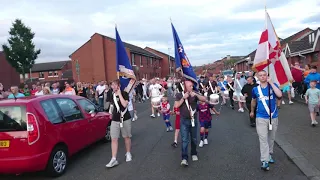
<point x="230" y="63"/>
<point x="20" y="51"/>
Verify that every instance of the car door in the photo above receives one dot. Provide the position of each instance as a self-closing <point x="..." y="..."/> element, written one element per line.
<point x="96" y="129"/>
<point x="75" y="126"/>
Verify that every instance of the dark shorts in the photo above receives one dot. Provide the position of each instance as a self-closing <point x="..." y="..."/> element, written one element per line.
<point x="166" y="116"/>
<point x="205" y="124"/>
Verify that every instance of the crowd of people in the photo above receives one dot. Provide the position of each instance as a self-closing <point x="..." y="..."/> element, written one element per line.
<point x="193" y="110"/>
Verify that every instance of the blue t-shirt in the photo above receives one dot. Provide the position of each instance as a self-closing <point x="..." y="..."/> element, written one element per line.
<point x="261" y="111"/>
<point x="19" y="95"/>
<point x="221" y="86"/>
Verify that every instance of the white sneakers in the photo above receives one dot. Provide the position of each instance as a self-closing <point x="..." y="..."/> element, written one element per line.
<point x="113" y="162"/>
<point x="204" y="142"/>
<point x="241" y="110"/>
<point x="158" y="114"/>
<point x="185" y="162"/>
<point x="195" y="158"/>
<point x="290" y="102"/>
<point x="152" y="115"/>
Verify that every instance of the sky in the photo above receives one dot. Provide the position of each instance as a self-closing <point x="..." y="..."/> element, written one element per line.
<point x="208" y="29"/>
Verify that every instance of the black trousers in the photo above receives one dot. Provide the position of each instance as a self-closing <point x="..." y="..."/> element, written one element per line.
<point x="298" y="86"/>
<point x="252" y="119"/>
<point x="231" y="98"/>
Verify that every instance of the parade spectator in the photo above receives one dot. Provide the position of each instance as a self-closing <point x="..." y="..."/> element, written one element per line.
<point x="55" y="89"/>
<point x="15" y="93"/>
<point x="297" y="74"/>
<point x="46" y="91"/>
<point x="39" y="91"/>
<point x="69" y="90"/>
<point x="260" y="105"/>
<point x="91" y="94"/>
<point x="313" y="76"/>
<point x="3" y="93"/>
<point x="313" y="100"/>
<point x="120" y="114"/>
<point x="34" y="90"/>
<point x="100" y="93"/>
<point x="26" y="90"/>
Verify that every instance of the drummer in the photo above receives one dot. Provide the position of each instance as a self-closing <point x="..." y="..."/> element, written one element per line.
<point x="155" y="91"/>
<point x="212" y="85"/>
<point x="231" y="90"/>
<point x="238" y="85"/>
<point x="222" y="88"/>
<point x="202" y="85"/>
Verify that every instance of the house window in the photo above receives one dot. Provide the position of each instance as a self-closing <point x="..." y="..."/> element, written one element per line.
<point x="50" y="73"/>
<point x="41" y="75"/>
<point x="56" y="73"/>
<point x="141" y="65"/>
<point x="314" y="57"/>
<point x="151" y="61"/>
<point x="132" y="60"/>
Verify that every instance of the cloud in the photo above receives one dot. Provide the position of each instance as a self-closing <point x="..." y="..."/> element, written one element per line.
<point x="208" y="29"/>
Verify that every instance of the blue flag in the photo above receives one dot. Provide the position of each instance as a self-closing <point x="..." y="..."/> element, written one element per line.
<point x="182" y="62"/>
<point x="124" y="68"/>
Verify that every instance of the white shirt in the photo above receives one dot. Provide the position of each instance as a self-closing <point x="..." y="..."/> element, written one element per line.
<point x="39" y="93"/>
<point x="130" y="105"/>
<point x="155" y="89"/>
<point x="55" y="91"/>
<point x="100" y="89"/>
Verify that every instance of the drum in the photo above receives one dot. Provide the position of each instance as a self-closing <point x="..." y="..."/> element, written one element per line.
<point x="156" y="101"/>
<point x="225" y="94"/>
<point x="214" y="99"/>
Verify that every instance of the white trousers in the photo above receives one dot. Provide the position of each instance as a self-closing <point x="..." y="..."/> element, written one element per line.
<point x="266" y="137"/>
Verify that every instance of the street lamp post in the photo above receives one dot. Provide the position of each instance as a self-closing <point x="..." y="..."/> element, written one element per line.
<point x="169" y="61"/>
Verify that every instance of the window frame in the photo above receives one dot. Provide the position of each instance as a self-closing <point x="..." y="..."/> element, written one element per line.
<point x="132" y="60"/>
<point x="61" y="112"/>
<point x="55" y="104"/>
<point x="41" y="73"/>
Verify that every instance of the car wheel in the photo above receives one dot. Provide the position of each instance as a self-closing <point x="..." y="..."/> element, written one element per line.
<point x="107" y="137"/>
<point x="58" y="161"/>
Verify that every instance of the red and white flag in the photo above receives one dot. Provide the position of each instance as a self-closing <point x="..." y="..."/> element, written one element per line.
<point x="269" y="55"/>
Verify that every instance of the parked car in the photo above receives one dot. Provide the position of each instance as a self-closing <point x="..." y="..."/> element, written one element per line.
<point x="41" y="133"/>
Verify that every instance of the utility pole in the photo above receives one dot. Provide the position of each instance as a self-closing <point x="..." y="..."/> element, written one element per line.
<point x="169" y="61"/>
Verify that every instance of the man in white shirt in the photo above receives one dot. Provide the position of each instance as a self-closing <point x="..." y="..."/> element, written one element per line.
<point x="100" y="92"/>
<point x="39" y="92"/>
<point x="154" y="91"/>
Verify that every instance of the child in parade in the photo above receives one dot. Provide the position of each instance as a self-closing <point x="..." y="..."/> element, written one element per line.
<point x="313" y="100"/>
<point x="222" y="87"/>
<point x="205" y="120"/>
<point x="176" y="111"/>
<point x="165" y="109"/>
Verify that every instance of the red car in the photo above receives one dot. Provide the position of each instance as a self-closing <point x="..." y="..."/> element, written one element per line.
<point x="41" y="133"/>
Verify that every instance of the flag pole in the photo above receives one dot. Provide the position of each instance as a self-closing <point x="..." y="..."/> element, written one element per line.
<point x="269" y="85"/>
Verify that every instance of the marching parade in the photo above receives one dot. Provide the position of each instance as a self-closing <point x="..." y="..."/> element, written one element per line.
<point x="225" y="122"/>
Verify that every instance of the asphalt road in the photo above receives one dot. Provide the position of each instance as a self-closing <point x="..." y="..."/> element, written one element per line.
<point x="232" y="153"/>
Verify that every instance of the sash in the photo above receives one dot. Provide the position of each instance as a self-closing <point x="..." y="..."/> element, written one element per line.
<point x="211" y="87"/>
<point x="122" y="113"/>
<point x="202" y="85"/>
<point x="239" y="83"/>
<point x="266" y="107"/>
<point x="224" y="87"/>
<point x="231" y="87"/>
<point x="189" y="107"/>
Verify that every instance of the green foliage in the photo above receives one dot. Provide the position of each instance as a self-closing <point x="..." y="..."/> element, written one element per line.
<point x="20" y="50"/>
<point x="230" y="63"/>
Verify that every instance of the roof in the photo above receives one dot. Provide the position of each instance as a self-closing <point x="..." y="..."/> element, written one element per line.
<point x="133" y="48"/>
<point x="290" y="38"/>
<point x="303" y="44"/>
<point x="28" y="99"/>
<point x="50" y="66"/>
<point x="171" y="58"/>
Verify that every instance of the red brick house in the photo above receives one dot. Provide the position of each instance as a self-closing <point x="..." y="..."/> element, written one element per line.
<point x="305" y="49"/>
<point x="8" y="75"/>
<point x="168" y="67"/>
<point x="97" y="60"/>
<point x="246" y="63"/>
<point x="51" y="71"/>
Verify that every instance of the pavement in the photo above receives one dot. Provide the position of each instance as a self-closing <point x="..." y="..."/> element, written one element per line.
<point x="298" y="139"/>
<point x="232" y="154"/>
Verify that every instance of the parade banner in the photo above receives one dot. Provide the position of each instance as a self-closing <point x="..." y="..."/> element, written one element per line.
<point x="124" y="68"/>
<point x="269" y="55"/>
<point x="183" y="64"/>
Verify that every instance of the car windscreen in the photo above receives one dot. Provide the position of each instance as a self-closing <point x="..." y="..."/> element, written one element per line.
<point x="13" y="118"/>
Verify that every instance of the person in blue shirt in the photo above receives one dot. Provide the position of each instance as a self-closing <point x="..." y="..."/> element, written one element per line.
<point x="260" y="100"/>
<point x="15" y="93"/>
<point x="222" y="86"/>
<point x="313" y="76"/>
